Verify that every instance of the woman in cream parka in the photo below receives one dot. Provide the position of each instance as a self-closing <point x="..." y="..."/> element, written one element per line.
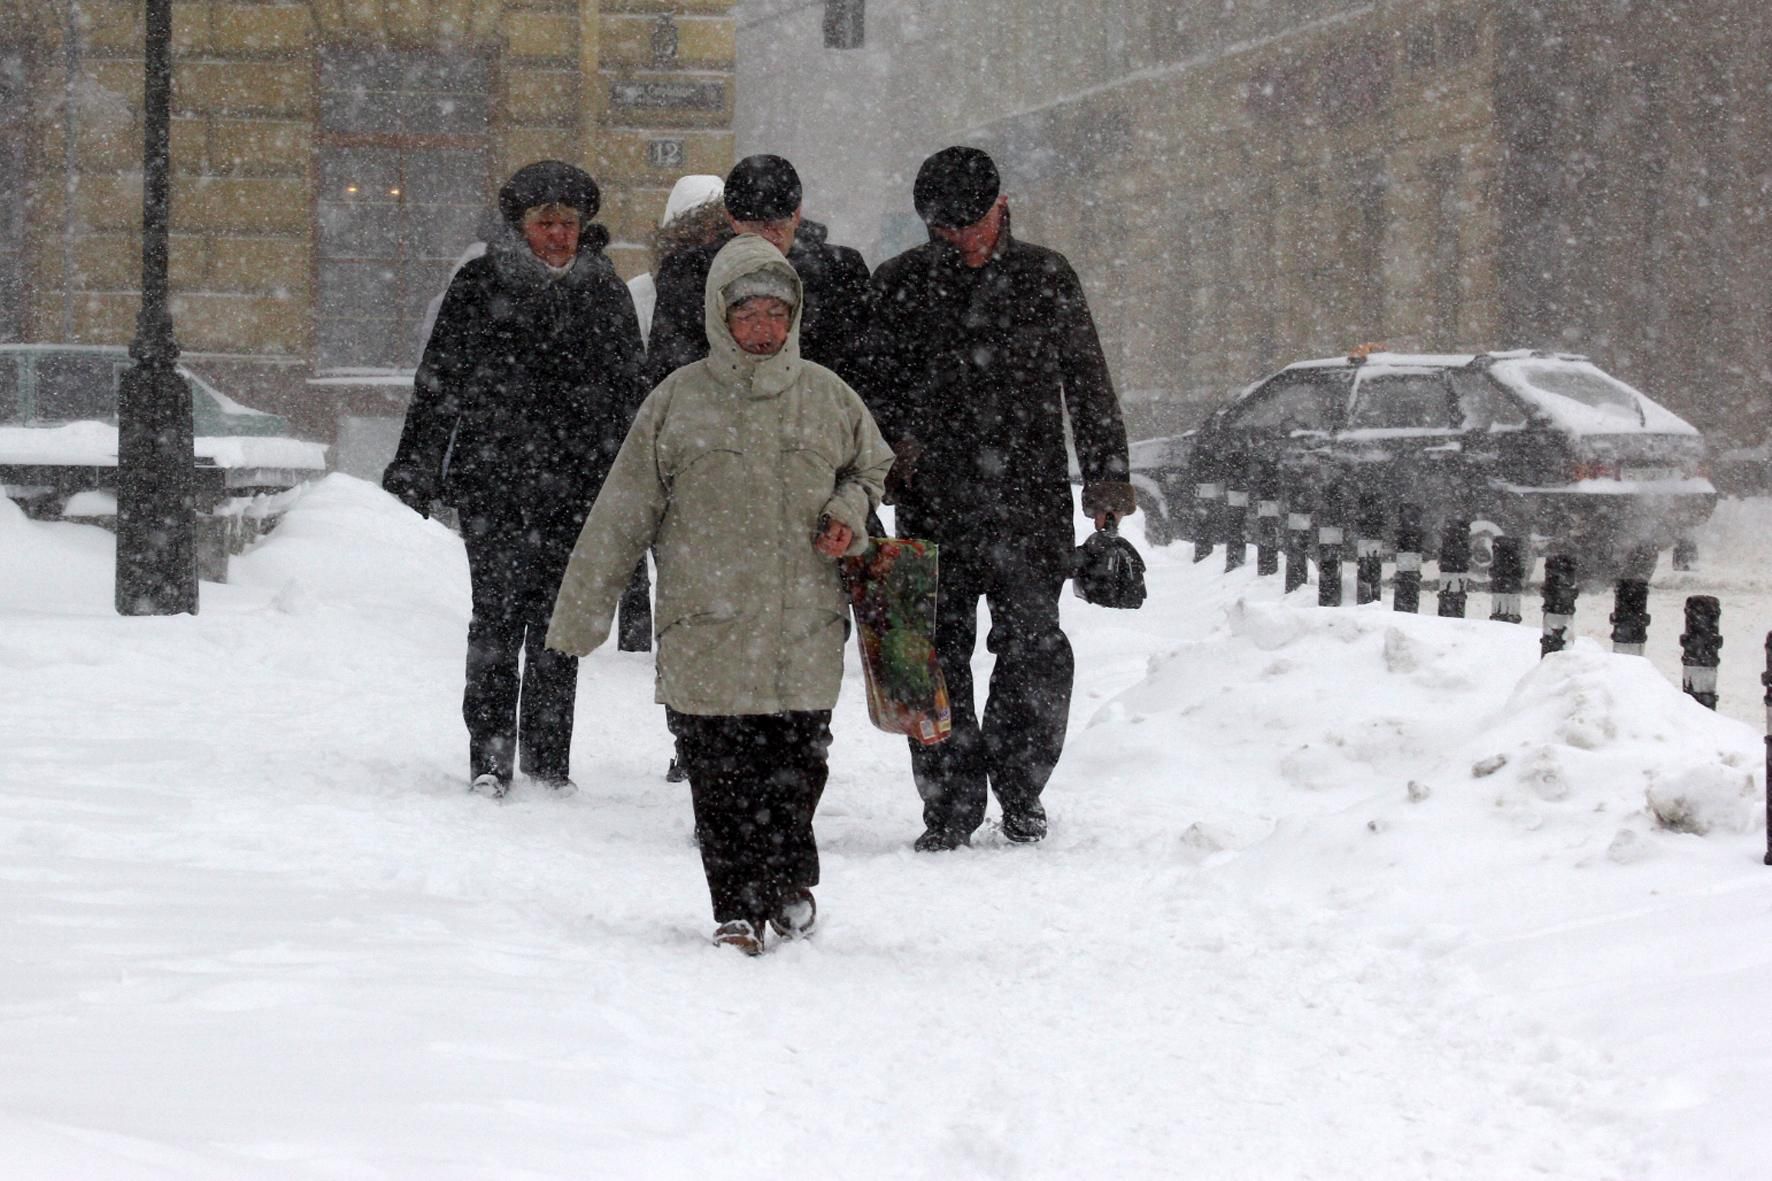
<point x="748" y="473"/>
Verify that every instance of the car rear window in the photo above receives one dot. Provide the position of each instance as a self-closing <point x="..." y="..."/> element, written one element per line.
<point x="74" y="386"/>
<point x="1587" y="386"/>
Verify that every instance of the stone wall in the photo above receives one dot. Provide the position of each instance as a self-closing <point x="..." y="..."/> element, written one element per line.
<point x="1244" y="186"/>
<point x="244" y="135"/>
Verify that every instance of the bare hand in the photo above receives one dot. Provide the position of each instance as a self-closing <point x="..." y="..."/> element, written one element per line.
<point x="833" y="541"/>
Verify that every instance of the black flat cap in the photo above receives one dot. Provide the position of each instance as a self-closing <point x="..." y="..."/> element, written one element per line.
<point x="762" y="188"/>
<point x="955" y="187"/>
<point x="549" y="182"/>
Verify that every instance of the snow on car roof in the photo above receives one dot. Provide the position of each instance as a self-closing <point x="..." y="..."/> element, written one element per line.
<point x="1585" y="398"/>
<point x="1436" y="360"/>
<point x="1567" y="387"/>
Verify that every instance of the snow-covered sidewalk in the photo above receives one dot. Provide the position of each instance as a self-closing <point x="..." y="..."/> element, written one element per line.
<point x="1330" y="894"/>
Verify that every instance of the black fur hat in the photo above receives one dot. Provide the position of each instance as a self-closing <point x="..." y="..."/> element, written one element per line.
<point x="549" y="182"/>
<point x="762" y="188"/>
<point x="955" y="187"/>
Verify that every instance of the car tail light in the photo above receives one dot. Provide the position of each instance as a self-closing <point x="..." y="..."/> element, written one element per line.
<point x="1593" y="469"/>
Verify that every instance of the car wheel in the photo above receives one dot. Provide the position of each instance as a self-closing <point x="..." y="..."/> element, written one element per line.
<point x="1602" y="560"/>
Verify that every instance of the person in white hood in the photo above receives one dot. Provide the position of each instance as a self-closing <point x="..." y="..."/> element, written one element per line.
<point x="693" y="214"/>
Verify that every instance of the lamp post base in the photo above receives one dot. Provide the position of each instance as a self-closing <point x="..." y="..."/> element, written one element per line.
<point x="156" y="512"/>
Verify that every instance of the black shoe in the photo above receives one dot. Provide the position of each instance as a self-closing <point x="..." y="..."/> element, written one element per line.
<point x="1025" y="826"/>
<point x="941" y="840"/>
<point x="675" y="773"/>
<point x="796" y="914"/>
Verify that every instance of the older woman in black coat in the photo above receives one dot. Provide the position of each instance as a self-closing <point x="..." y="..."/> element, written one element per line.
<point x="523" y="397"/>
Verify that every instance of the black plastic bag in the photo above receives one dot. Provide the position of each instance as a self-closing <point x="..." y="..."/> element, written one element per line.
<point x="1109" y="571"/>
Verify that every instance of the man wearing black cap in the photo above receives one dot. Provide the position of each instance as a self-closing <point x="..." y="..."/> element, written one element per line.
<point x="527" y="387"/>
<point x="762" y="195"/>
<point x="981" y="345"/>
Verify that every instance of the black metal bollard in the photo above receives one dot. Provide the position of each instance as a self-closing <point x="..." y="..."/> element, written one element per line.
<point x="1560" y="591"/>
<point x="1298" y="534"/>
<point x="1507" y="581"/>
<point x="1701" y="646"/>
<point x="1207" y="497"/>
<point x="1267" y="520"/>
<point x="1330" y="536"/>
<point x="1369" y="550"/>
<point x="1630" y="617"/>
<point x="1406" y="588"/>
<point x="1234" y="521"/>
<point x="1766" y="680"/>
<point x="1455" y="568"/>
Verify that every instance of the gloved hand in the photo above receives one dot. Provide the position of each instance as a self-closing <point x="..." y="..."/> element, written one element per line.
<point x="1102" y="497"/>
<point x="411" y="490"/>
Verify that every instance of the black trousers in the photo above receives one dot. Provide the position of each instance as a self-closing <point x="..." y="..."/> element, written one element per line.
<point x="1014" y="747"/>
<point x="633" y="629"/>
<point x="519" y="694"/>
<point x="755" y="780"/>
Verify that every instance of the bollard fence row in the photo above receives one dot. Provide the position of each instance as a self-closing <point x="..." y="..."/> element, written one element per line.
<point x="1289" y="520"/>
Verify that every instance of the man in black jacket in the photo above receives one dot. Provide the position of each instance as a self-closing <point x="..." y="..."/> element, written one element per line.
<point x="762" y="196"/>
<point x="527" y="388"/>
<point x="981" y="344"/>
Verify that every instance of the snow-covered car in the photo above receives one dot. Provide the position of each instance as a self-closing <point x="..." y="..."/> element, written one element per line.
<point x="58" y="446"/>
<point x="58" y="410"/>
<point x="1528" y="444"/>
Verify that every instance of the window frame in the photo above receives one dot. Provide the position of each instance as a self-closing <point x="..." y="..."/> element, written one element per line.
<point x="409" y="309"/>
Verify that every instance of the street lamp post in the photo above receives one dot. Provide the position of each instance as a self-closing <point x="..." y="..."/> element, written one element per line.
<point x="156" y="552"/>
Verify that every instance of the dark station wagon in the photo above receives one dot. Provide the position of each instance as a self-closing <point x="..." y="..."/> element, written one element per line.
<point x="1536" y="445"/>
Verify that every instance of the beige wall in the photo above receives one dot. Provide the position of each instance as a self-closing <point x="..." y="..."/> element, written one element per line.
<point x="243" y="135"/>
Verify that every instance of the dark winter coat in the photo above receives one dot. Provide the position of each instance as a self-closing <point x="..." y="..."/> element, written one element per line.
<point x="835" y="279"/>
<point x="970" y="374"/>
<point x="527" y="386"/>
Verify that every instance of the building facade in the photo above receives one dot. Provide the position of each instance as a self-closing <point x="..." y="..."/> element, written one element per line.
<point x="331" y="161"/>
<point x="1245" y="185"/>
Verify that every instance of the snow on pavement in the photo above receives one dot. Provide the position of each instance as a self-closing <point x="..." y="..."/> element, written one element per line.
<point x="1329" y="894"/>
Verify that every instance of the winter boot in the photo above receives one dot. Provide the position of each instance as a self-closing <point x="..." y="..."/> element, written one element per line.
<point x="740" y="934"/>
<point x="796" y="914"/>
<point x="491" y="786"/>
<point x="560" y="785"/>
<point x="1025" y="825"/>
<point x="940" y="840"/>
